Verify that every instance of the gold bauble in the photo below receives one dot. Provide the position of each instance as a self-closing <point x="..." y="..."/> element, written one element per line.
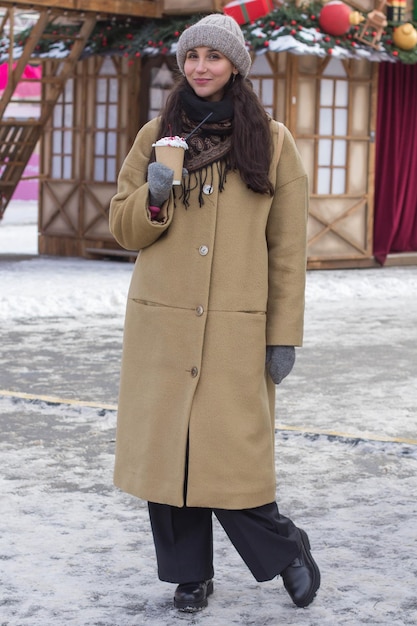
<point x="356" y="18"/>
<point x="405" y="36"/>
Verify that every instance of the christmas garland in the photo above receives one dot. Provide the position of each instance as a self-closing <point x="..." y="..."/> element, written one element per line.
<point x="144" y="37"/>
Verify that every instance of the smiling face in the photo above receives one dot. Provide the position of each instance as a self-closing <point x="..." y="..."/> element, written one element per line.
<point x="208" y="71"/>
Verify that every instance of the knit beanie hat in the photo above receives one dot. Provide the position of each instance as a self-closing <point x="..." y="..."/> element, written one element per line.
<point x="220" y="32"/>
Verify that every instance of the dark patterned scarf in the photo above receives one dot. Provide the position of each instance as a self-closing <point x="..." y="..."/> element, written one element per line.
<point x="209" y="146"/>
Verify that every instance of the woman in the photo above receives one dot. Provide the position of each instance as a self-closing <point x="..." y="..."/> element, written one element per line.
<point x="215" y="308"/>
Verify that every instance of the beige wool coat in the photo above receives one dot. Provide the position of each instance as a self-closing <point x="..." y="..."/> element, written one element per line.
<point x="211" y="287"/>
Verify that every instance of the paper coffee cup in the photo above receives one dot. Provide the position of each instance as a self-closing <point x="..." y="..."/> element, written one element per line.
<point x="170" y="152"/>
<point x="172" y="158"/>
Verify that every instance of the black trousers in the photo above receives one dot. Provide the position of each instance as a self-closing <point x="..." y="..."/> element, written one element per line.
<point x="266" y="540"/>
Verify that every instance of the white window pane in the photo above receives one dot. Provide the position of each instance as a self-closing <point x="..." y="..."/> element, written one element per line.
<point x="99" y="169"/>
<point x="113" y="91"/>
<point x="101" y="90"/>
<point x="260" y="65"/>
<point x="57" y="115"/>
<point x="56" y="167"/>
<point x="340" y="122"/>
<point x="339" y="181"/>
<point x="323" y="183"/>
<point x="69" y="90"/>
<point x="267" y="92"/>
<point x="68" y="141"/>
<point x="107" y="67"/>
<point x="339" y="152"/>
<point x="100" y="143"/>
<point x="341" y="98"/>
<point x="161" y="77"/>
<point x="111" y="170"/>
<point x="325" y="151"/>
<point x="326" y="93"/>
<point x="156" y="99"/>
<point x="67" y="163"/>
<point x="112" y="116"/>
<point x="334" y="68"/>
<point x="68" y="113"/>
<point x="57" y="142"/>
<point x="325" y="123"/>
<point x="101" y="116"/>
<point x="111" y="144"/>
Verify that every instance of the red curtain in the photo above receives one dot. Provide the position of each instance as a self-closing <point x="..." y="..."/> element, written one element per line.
<point x="395" y="218"/>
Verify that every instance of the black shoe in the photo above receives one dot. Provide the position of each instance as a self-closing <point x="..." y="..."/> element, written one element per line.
<point x="302" y="576"/>
<point x="191" y="597"/>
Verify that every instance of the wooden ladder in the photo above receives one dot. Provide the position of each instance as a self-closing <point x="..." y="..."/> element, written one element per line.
<point x="19" y="137"/>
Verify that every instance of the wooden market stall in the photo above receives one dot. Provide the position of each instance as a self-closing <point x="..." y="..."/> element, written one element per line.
<point x="89" y="121"/>
<point x="69" y="21"/>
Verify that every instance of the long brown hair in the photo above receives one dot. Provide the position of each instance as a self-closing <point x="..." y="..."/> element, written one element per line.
<point x="251" y="150"/>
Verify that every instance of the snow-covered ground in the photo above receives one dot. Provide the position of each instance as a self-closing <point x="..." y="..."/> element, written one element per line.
<point x="18" y="232"/>
<point x="75" y="551"/>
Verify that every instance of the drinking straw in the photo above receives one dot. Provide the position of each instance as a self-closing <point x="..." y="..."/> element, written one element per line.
<point x="197" y="127"/>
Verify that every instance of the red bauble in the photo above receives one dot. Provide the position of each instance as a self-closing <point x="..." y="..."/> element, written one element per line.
<point x="334" y="18"/>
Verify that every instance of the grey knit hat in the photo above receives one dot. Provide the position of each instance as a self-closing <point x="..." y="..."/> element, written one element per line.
<point x="220" y="32"/>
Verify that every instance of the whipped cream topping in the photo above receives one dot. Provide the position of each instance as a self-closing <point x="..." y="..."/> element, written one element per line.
<point x="175" y="142"/>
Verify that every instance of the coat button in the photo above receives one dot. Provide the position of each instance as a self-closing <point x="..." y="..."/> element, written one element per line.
<point x="203" y="250"/>
<point x="194" y="372"/>
<point x="208" y="189"/>
<point x="199" y="310"/>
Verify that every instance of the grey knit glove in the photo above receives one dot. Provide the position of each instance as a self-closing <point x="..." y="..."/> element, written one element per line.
<point x="279" y="361"/>
<point x="160" y="179"/>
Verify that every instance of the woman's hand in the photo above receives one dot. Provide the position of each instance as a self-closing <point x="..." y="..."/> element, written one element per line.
<point x="160" y="179"/>
<point x="279" y="361"/>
